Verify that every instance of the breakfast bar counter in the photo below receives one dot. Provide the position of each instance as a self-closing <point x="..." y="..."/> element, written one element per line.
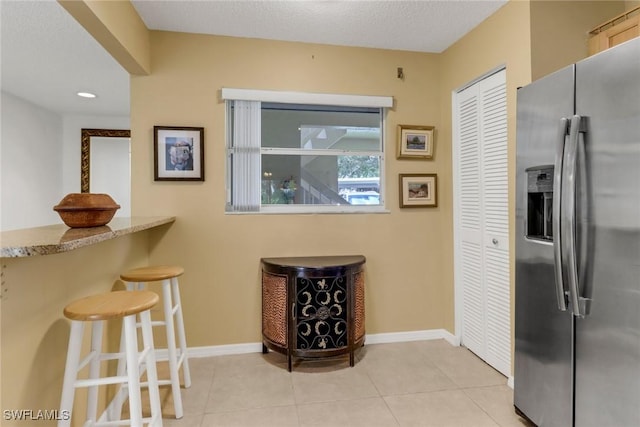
<point x="57" y="238"/>
<point x="43" y="269"/>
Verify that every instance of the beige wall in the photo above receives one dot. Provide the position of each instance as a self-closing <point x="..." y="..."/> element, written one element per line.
<point x="502" y="40"/>
<point x="560" y="31"/>
<point x="407" y="268"/>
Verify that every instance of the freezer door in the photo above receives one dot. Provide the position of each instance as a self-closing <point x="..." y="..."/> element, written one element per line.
<point x="543" y="333"/>
<point x="608" y="338"/>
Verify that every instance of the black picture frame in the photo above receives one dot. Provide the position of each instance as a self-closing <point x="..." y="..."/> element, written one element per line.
<point x="178" y="153"/>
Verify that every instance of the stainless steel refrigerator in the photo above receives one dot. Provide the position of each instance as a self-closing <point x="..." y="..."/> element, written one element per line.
<point x="577" y="302"/>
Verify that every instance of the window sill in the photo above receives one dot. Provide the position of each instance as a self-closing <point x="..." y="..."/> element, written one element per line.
<point x="315" y="210"/>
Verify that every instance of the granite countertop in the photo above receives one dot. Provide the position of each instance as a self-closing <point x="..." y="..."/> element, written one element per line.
<point x="53" y="239"/>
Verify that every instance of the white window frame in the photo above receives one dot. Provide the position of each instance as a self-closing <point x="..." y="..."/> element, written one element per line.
<point x="382" y="102"/>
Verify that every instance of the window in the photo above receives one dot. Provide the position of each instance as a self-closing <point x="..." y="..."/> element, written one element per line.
<point x="320" y="155"/>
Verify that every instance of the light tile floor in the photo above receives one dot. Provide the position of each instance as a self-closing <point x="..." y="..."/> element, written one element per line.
<point x="421" y="383"/>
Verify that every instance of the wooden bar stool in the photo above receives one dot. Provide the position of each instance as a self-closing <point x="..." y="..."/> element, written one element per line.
<point x="172" y="306"/>
<point x="97" y="309"/>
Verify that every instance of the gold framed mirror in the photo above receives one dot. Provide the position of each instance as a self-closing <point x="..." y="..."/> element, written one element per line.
<point x="85" y="151"/>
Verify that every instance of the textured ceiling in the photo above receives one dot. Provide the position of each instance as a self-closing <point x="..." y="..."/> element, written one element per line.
<point x="47" y="56"/>
<point x="424" y="26"/>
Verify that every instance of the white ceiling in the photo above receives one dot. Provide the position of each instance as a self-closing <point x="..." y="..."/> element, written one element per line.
<point x="422" y="26"/>
<point x="47" y="56"/>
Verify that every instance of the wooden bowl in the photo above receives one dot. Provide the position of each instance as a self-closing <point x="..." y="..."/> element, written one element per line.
<point x="80" y="210"/>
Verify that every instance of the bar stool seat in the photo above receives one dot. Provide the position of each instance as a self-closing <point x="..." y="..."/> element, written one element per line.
<point x="176" y="354"/>
<point x="152" y="273"/>
<point x="97" y="309"/>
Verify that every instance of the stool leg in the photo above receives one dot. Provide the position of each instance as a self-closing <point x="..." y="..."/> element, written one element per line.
<point x="171" y="348"/>
<point x="121" y="362"/>
<point x="133" y="373"/>
<point x="94" y="368"/>
<point x="152" y="375"/>
<point x="135" y="286"/>
<point x="70" y="373"/>
<point x="120" y="396"/>
<point x="177" y="302"/>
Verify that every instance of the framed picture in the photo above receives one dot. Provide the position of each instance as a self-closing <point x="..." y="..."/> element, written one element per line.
<point x="415" y="142"/>
<point x="418" y="190"/>
<point x="178" y="153"/>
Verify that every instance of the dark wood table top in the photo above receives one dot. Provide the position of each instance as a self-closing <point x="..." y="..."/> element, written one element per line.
<point x="316" y="261"/>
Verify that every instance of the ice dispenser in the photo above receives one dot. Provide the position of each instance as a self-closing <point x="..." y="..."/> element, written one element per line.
<point x="539" y="202"/>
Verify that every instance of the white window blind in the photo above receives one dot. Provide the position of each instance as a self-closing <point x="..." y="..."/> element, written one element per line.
<point x="246" y="156"/>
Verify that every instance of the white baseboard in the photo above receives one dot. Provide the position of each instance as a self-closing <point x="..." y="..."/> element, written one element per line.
<point x="384" y="338"/>
<point x="431" y="334"/>
<point x="222" y="350"/>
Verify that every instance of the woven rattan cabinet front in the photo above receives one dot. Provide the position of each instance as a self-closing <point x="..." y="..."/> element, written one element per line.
<point x="313" y="307"/>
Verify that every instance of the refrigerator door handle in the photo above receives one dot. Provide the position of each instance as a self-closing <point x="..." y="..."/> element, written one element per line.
<point x="555" y="215"/>
<point x="568" y="215"/>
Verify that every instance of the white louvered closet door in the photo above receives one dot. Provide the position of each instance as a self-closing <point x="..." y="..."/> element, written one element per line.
<point x="482" y="221"/>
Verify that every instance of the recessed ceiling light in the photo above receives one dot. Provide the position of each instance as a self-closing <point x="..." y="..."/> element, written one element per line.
<point x="86" y="94"/>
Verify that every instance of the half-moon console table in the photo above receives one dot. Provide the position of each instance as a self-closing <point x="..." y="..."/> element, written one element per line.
<point x="313" y="307"/>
